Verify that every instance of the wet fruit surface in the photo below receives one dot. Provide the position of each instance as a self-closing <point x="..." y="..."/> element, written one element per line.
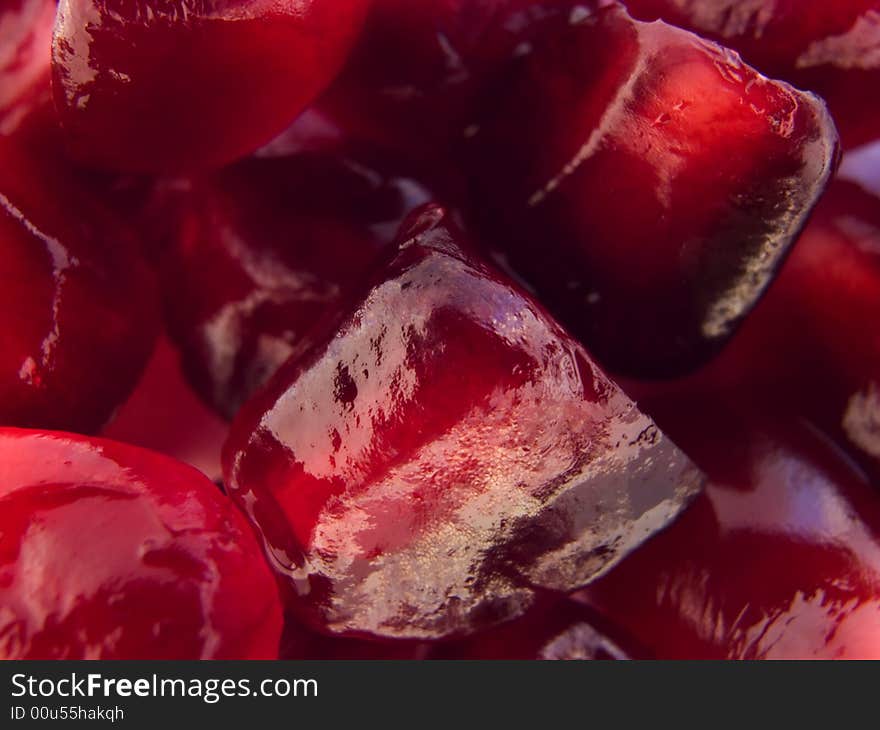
<point x="264" y="249"/>
<point x="25" y="38"/>
<point x="817" y="315"/>
<point x="827" y="47"/>
<point x="807" y="352"/>
<point x="188" y="84"/>
<point x="79" y="310"/>
<point x="397" y="440"/>
<point x="669" y="184"/>
<point x="443" y="453"/>
<point x="420" y="66"/>
<point x="778" y="559"/>
<point x="110" y="552"/>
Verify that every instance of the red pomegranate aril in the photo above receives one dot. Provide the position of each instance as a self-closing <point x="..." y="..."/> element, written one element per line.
<point x="808" y="350"/>
<point x="111" y="552"/>
<point x="830" y="48"/>
<point x="778" y="559"/>
<point x="419" y="66"/>
<point x="425" y="453"/>
<point x="184" y="85"/>
<point x="444" y="454"/>
<point x="25" y="54"/>
<point x="811" y="346"/>
<point x="79" y="315"/>
<point x="668" y="184"/>
<point x="264" y="249"/>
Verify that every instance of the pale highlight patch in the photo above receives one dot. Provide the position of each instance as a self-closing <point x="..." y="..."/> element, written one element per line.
<point x="861" y="421"/>
<point x="857" y="49"/>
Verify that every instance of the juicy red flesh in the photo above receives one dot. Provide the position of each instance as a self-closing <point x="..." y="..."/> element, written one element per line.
<point x="821" y="313"/>
<point x="439" y="464"/>
<point x="264" y="249"/>
<point x="669" y="182"/>
<point x="111" y="552"/>
<point x="443" y="453"/>
<point x="779" y="558"/>
<point x="808" y="351"/>
<point x="78" y="308"/>
<point x="419" y="66"/>
<point x="25" y="39"/>
<point x="827" y="47"/>
<point x="191" y="84"/>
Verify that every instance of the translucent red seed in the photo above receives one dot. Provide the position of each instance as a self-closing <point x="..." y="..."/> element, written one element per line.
<point x="827" y="47"/>
<point x="445" y="452"/>
<point x="266" y="248"/>
<point x="777" y="560"/>
<point x="191" y="84"/>
<point x="78" y="308"/>
<point x="647" y="183"/>
<point x="111" y="552"/>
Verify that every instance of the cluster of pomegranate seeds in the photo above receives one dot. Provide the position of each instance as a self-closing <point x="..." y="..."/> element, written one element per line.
<point x="533" y="329"/>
